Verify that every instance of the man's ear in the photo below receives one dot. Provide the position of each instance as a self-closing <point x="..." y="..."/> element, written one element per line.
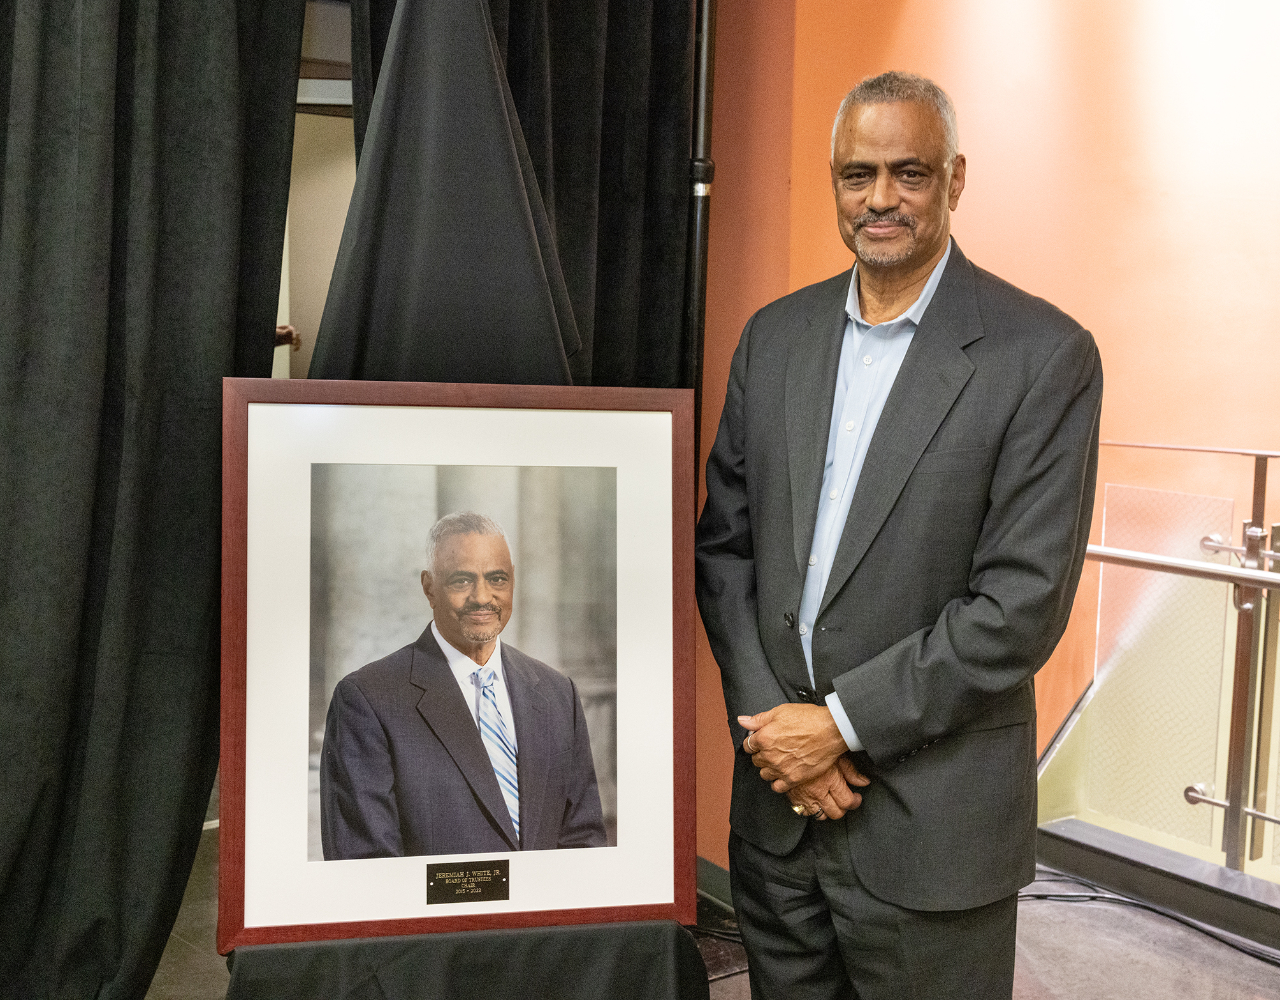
<point x="426" y="587"/>
<point x="957" y="181"/>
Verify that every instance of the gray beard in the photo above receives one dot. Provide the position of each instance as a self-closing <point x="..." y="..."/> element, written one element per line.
<point x="869" y="254"/>
<point x="472" y="634"/>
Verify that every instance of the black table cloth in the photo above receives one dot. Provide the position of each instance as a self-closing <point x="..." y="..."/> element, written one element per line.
<point x="650" y="960"/>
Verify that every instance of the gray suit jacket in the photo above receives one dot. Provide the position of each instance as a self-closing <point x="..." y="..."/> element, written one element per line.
<point x="952" y="581"/>
<point x="404" y="771"/>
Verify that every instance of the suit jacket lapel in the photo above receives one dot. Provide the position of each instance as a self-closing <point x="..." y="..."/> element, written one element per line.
<point x="932" y="375"/>
<point x="443" y="708"/>
<point x="813" y="360"/>
<point x="533" y="761"/>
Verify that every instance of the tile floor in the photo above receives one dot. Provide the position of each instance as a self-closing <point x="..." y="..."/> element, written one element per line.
<point x="191" y="968"/>
<point x="1066" y="951"/>
<point x="1102" y="951"/>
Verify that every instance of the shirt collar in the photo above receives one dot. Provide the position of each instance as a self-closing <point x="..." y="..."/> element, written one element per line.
<point x="913" y="314"/>
<point x="461" y="664"/>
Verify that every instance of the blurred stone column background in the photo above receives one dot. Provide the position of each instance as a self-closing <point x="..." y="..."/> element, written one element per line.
<point x="369" y="526"/>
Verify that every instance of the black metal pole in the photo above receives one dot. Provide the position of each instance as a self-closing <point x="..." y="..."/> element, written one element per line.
<point x="701" y="172"/>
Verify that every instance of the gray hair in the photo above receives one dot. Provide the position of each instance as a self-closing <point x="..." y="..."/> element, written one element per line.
<point x="891" y="87"/>
<point x="464" y="522"/>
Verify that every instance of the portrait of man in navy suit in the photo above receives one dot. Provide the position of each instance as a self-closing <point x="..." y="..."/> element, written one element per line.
<point x="458" y="743"/>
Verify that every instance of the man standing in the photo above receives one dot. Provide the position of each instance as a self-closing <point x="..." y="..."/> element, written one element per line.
<point x="898" y="505"/>
<point x="458" y="743"/>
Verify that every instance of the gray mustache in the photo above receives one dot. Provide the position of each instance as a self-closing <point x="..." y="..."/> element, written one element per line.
<point x="871" y="218"/>
<point x="471" y="609"/>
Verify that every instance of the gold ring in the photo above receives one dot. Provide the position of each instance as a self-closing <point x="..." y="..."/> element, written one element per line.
<point x="751" y="749"/>
<point x="797" y="809"/>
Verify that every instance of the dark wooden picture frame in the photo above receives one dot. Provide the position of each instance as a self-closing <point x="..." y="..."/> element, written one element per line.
<point x="573" y="406"/>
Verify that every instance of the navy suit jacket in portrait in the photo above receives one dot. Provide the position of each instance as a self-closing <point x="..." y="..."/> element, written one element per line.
<point x="404" y="771"/>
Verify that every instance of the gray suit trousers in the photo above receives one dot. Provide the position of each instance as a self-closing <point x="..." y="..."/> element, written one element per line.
<point x="814" y="931"/>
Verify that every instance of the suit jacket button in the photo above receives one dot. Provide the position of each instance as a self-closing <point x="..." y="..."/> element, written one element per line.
<point x="790" y="619"/>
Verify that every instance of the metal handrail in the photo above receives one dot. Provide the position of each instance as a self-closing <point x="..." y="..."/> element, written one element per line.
<point x="1195" y="795"/>
<point x="1214" y="544"/>
<point x="1253" y="453"/>
<point x="1184" y="567"/>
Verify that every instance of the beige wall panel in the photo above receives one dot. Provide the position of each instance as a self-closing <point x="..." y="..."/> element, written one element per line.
<point x="324" y="172"/>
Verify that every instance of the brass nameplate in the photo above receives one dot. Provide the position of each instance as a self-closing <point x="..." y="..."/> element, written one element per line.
<point x="469" y="882"/>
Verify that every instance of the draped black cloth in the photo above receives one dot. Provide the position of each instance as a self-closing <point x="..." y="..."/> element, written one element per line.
<point x="447" y="269"/>
<point x="146" y="149"/>
<point x="603" y="97"/>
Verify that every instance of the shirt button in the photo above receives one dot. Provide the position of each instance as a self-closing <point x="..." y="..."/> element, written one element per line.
<point x="813" y="560"/>
<point x="849" y="426"/>
<point x="804" y="629"/>
<point x="867" y="360"/>
<point x="833" y="494"/>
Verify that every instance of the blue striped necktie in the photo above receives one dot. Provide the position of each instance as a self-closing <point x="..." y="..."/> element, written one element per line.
<point x="498" y="743"/>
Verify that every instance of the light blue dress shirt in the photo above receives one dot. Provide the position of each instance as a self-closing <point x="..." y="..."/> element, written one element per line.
<point x="870" y="357"/>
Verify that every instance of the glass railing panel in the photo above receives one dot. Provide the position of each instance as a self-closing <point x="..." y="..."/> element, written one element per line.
<point x="1158" y="673"/>
<point x="1154" y="720"/>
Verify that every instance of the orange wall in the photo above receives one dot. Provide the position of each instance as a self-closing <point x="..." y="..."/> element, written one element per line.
<point x="1119" y="163"/>
<point x="747" y="267"/>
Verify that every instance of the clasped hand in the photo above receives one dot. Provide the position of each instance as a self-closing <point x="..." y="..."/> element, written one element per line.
<point x="800" y="751"/>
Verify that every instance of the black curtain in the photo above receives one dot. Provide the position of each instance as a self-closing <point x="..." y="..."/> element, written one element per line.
<point x="146" y="148"/>
<point x="603" y="91"/>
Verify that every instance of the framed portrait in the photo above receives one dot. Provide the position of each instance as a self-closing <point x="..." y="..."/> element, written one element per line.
<point x="457" y="658"/>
